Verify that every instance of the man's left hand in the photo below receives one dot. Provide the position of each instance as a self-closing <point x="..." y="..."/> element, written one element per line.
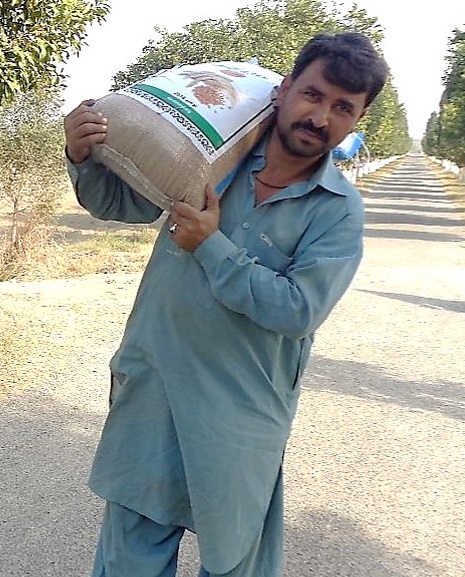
<point x="189" y="227"/>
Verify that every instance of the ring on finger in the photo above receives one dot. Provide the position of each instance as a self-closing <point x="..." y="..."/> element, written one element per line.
<point x="173" y="228"/>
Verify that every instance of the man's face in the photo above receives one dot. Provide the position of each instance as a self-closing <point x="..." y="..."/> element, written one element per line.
<point x="314" y="115"/>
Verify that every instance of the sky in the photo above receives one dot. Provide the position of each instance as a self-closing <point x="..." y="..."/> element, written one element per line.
<point x="415" y="45"/>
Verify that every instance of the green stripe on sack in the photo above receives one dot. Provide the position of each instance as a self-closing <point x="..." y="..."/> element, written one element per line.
<point x="187" y="111"/>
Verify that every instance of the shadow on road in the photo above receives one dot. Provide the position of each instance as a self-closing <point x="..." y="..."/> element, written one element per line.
<point x="430" y="236"/>
<point x="437" y="304"/>
<point x="324" y="544"/>
<point x="376" y="217"/>
<point x="409" y="195"/>
<point x="49" y="518"/>
<point x="414" y="208"/>
<point x="52" y="520"/>
<point x="50" y="513"/>
<point x="371" y="382"/>
<point x="387" y="187"/>
<point x="415" y="203"/>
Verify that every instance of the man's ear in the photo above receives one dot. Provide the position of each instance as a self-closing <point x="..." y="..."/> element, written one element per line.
<point x="282" y="90"/>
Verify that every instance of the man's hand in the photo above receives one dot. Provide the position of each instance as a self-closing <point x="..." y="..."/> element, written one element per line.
<point x="83" y="129"/>
<point x="190" y="227"/>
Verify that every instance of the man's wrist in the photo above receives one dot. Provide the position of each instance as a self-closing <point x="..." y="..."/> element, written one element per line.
<point x="72" y="158"/>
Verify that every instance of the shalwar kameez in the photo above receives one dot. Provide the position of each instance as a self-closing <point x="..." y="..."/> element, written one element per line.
<point x="206" y="380"/>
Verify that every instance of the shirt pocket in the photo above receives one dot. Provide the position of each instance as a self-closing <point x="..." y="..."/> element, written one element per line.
<point x="268" y="254"/>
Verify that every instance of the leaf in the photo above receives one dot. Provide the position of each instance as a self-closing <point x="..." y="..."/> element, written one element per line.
<point x="37" y="35"/>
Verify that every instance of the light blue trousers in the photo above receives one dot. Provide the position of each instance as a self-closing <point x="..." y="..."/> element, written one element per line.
<point x="131" y="545"/>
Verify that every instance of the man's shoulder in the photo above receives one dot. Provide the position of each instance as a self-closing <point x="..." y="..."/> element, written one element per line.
<point x="337" y="182"/>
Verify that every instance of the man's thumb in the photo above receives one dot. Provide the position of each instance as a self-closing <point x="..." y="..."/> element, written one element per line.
<point x="212" y="199"/>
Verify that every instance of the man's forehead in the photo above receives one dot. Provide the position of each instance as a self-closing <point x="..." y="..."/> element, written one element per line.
<point x="314" y="77"/>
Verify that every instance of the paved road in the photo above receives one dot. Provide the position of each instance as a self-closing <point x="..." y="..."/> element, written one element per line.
<point x="375" y="470"/>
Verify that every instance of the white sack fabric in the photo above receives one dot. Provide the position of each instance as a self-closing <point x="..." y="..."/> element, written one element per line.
<point x="177" y="130"/>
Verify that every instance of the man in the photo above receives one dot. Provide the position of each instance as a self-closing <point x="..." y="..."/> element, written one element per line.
<point x="206" y="380"/>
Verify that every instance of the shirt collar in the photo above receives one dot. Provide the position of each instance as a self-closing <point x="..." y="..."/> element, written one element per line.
<point x="328" y="176"/>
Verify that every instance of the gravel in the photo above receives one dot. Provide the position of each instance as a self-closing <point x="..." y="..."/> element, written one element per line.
<point x="375" y="466"/>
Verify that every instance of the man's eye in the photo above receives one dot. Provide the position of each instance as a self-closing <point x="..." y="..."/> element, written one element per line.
<point x="312" y="95"/>
<point x="344" y="108"/>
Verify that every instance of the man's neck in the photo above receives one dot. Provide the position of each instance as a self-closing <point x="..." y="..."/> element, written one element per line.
<point x="283" y="167"/>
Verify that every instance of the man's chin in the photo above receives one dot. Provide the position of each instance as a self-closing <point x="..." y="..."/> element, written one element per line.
<point x="303" y="146"/>
<point x="309" y="150"/>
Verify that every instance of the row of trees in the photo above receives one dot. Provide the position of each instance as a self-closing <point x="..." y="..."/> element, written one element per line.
<point x="445" y="131"/>
<point x="38" y="36"/>
<point x="273" y="31"/>
<point x="32" y="176"/>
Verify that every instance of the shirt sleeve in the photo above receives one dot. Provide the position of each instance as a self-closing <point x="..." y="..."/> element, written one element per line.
<point x="106" y="197"/>
<point x="294" y="303"/>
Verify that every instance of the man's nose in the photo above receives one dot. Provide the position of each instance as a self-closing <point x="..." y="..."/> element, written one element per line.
<point x="320" y="116"/>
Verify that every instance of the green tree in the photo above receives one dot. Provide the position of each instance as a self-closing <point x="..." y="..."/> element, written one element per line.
<point x="386" y="125"/>
<point x="451" y="142"/>
<point x="430" y="139"/>
<point x="273" y="31"/>
<point x="37" y="37"/>
<point x="445" y="133"/>
<point x="357" y="19"/>
<point x="199" y="42"/>
<point x="32" y="173"/>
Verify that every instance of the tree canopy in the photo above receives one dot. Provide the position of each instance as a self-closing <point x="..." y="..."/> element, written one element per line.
<point x="386" y="124"/>
<point x="445" y="132"/>
<point x="32" y="172"/>
<point x="37" y="37"/>
<point x="273" y="31"/>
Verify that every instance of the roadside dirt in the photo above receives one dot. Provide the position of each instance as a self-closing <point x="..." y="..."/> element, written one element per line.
<point x="374" y="469"/>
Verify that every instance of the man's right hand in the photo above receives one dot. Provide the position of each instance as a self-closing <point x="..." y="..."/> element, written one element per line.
<point x="83" y="129"/>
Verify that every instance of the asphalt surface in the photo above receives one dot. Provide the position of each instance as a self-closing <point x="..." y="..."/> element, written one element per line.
<point x="375" y="469"/>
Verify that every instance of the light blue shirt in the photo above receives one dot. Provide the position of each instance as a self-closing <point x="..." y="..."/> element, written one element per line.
<point x="207" y="374"/>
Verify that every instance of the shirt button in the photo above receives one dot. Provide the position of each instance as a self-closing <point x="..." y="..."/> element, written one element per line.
<point x="246" y="225"/>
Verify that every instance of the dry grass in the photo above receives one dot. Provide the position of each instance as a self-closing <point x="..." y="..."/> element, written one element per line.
<point x="11" y="329"/>
<point x="27" y="329"/>
<point x="34" y="258"/>
<point x="105" y="252"/>
<point x="453" y="185"/>
<point x="23" y="338"/>
<point x="76" y="245"/>
<point x="35" y="340"/>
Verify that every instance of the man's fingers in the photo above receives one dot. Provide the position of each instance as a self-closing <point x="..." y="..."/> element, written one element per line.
<point x="85" y="106"/>
<point x="89" y="128"/>
<point x="211" y="198"/>
<point x="94" y="138"/>
<point x="88" y="102"/>
<point x="184" y="210"/>
<point x="84" y="117"/>
<point x="84" y="128"/>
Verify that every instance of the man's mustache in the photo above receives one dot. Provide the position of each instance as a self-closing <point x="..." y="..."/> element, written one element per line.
<point x="310" y="127"/>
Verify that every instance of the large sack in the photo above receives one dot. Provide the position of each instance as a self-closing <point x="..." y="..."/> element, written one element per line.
<point x="173" y="132"/>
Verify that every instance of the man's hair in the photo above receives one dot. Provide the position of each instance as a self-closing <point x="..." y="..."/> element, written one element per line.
<point x="350" y="61"/>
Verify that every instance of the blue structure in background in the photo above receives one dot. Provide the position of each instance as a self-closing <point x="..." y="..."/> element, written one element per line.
<point x="349" y="147"/>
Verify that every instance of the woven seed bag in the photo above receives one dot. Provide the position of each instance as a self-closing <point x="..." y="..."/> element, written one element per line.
<point x="173" y="132"/>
